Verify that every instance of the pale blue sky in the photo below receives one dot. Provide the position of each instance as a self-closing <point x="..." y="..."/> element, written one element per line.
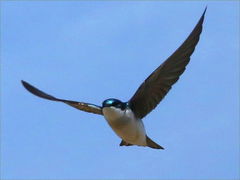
<point x="90" y="51"/>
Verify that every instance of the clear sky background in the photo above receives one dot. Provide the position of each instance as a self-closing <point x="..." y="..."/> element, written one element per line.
<point x="91" y="51"/>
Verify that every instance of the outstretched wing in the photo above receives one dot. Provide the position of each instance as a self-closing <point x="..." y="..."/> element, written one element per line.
<point x="157" y="85"/>
<point x="79" y="105"/>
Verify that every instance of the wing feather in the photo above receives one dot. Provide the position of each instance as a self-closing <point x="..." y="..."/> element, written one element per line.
<point x="91" y="108"/>
<point x="157" y="85"/>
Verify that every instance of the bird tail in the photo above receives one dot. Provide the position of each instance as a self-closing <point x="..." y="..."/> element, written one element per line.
<point x="152" y="144"/>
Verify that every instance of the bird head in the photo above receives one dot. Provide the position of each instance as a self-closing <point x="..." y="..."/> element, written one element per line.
<point x="114" y="103"/>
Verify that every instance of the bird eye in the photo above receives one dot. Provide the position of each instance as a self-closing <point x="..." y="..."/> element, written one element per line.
<point x="121" y="106"/>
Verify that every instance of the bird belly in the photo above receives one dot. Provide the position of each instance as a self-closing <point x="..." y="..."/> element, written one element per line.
<point x="125" y="125"/>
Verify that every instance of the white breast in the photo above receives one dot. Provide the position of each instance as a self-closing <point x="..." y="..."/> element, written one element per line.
<point x="125" y="125"/>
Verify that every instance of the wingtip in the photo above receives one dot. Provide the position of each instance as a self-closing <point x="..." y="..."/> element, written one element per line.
<point x="26" y="85"/>
<point x="200" y="22"/>
<point x="23" y="82"/>
<point x="205" y="9"/>
<point x="204" y="12"/>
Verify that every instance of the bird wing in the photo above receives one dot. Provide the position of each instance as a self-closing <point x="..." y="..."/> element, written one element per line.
<point x="157" y="85"/>
<point x="91" y="108"/>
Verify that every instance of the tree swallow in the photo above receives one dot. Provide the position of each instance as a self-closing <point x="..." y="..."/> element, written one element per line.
<point x="125" y="118"/>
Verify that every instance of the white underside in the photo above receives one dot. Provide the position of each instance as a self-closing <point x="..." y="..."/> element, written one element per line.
<point x="125" y="125"/>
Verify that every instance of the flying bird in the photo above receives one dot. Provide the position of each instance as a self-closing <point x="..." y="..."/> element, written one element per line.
<point x="125" y="118"/>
